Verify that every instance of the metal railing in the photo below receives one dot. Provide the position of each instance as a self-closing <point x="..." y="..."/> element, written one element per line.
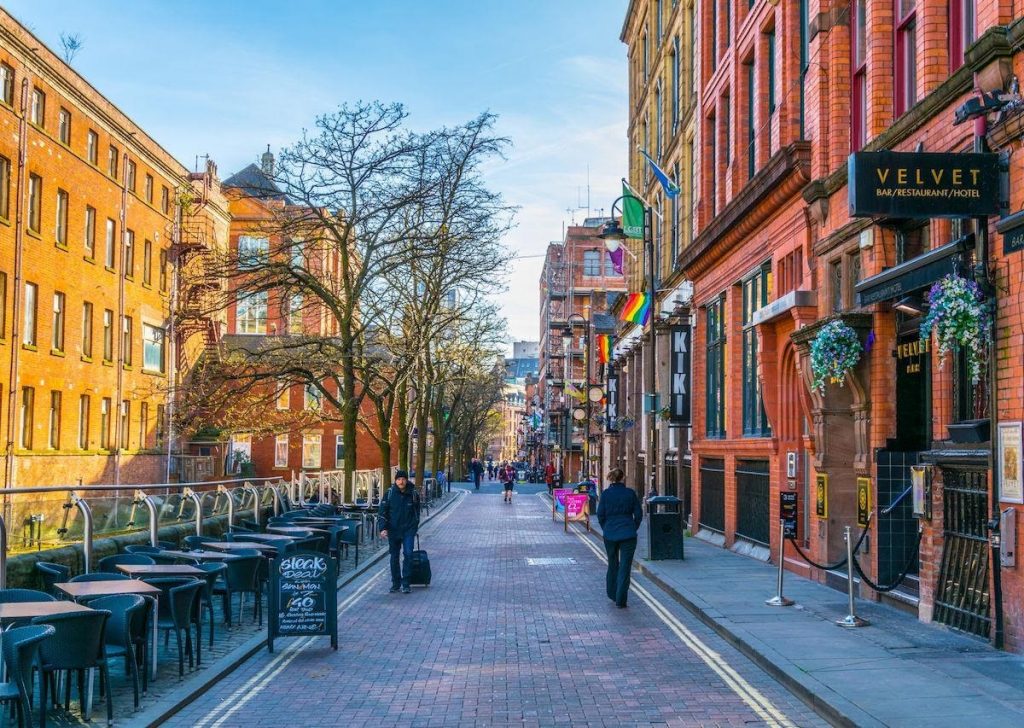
<point x="328" y="486"/>
<point x="168" y="507"/>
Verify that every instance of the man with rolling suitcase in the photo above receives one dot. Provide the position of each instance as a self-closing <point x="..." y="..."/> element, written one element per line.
<point x="398" y="520"/>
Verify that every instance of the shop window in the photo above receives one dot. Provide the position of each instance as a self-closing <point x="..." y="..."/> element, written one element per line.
<point x="906" y="55"/>
<point x="756" y="294"/>
<point x="714" y="371"/>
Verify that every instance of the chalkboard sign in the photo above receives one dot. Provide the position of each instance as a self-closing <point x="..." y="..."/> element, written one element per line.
<point x="303" y="597"/>
<point x="787" y="508"/>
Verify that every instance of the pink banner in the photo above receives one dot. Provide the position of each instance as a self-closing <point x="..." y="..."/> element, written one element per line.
<point x="558" y="500"/>
<point x="576" y="507"/>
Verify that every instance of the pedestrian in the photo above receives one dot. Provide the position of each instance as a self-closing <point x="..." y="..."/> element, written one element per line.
<point x="507" y="476"/>
<point x="478" y="472"/>
<point x="398" y="520"/>
<point x="549" y="476"/>
<point x="619" y="512"/>
<point x="490" y="470"/>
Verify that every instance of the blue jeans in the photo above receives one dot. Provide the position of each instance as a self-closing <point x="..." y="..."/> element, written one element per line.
<point x="403" y="544"/>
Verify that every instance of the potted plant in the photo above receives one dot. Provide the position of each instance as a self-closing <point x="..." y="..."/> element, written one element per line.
<point x="835" y="350"/>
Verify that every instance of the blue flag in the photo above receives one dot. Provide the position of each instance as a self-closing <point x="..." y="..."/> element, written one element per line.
<point x="671" y="188"/>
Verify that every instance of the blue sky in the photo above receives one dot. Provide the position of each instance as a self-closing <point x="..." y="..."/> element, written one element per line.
<point x="227" y="78"/>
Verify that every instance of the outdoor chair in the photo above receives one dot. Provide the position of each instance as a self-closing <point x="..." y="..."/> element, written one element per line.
<point x="99" y="576"/>
<point x="350" y="537"/>
<point x="171" y="560"/>
<point x="76" y="645"/>
<point x="195" y="543"/>
<point x="20" y="650"/>
<point x="11" y="596"/>
<point x="51" y="574"/>
<point x="140" y="549"/>
<point x="242" y="529"/>
<point x="167" y="545"/>
<point x="125" y="634"/>
<point x="214" y="573"/>
<point x="251" y="525"/>
<point x="109" y="563"/>
<point x="241" y="577"/>
<point x="175" y="613"/>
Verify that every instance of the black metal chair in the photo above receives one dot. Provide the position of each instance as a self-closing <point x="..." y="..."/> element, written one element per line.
<point x="195" y="543"/>
<point x="241" y="577"/>
<point x="51" y="574"/>
<point x="214" y="573"/>
<point x="20" y="650"/>
<point x="141" y="549"/>
<point x="99" y="576"/>
<point x="76" y="645"/>
<point x="178" y="600"/>
<point x="125" y="634"/>
<point x="10" y="596"/>
<point x="109" y="563"/>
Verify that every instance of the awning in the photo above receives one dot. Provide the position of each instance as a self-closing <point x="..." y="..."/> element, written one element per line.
<point x="913" y="275"/>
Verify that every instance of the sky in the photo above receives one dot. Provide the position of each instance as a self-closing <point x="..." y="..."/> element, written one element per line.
<point x="227" y="77"/>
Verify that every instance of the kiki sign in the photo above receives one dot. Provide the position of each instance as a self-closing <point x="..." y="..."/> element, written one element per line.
<point x="923" y="184"/>
<point x="679" y="403"/>
<point x="611" y="402"/>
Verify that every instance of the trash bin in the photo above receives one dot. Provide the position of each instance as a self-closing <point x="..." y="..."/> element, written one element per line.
<point x="664" y="528"/>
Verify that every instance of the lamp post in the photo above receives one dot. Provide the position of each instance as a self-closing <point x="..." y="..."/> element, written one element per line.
<point x="567" y="336"/>
<point x="614" y="236"/>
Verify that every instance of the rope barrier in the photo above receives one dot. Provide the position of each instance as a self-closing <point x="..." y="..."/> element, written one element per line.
<point x="838" y="564"/>
<point x="899" y="579"/>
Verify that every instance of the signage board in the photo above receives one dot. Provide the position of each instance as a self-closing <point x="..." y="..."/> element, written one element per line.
<point x="1011" y="228"/>
<point x="914" y="275"/>
<point x="558" y="501"/>
<point x="679" y="373"/>
<point x="788" y="513"/>
<point x="303" y="597"/>
<point x="919" y="481"/>
<point x="821" y="495"/>
<point x="577" y="509"/>
<point x="1011" y="489"/>
<point x="611" y="401"/>
<point x="923" y="184"/>
<point x="863" y="501"/>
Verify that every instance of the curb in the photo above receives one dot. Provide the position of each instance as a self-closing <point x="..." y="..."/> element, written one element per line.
<point x="195" y="686"/>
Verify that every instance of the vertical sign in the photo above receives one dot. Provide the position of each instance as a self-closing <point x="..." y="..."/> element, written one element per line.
<point x="679" y="388"/>
<point x="1010" y="482"/>
<point x="821" y="495"/>
<point x="788" y="513"/>
<point x="863" y="502"/>
<point x="303" y="596"/>
<point x="922" y="494"/>
<point x="577" y="508"/>
<point x="611" y="401"/>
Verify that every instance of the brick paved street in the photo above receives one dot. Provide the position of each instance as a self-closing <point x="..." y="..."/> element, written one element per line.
<point x="497" y="640"/>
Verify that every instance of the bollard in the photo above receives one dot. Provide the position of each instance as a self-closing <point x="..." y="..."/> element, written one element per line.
<point x="851" y="619"/>
<point x="778" y="600"/>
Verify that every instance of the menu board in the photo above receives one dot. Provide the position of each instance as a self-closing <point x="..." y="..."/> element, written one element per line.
<point x="303" y="597"/>
<point x="577" y="508"/>
<point x="558" y="501"/>
<point x="788" y="512"/>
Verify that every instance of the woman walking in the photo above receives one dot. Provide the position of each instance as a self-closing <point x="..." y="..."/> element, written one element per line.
<point x="507" y="476"/>
<point x="619" y="512"/>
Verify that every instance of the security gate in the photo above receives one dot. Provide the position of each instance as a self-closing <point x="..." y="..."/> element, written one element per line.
<point x="962" y="598"/>
<point x="712" y="494"/>
<point x="752" y="500"/>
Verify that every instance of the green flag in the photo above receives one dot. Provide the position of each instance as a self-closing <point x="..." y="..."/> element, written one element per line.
<point x="632" y="215"/>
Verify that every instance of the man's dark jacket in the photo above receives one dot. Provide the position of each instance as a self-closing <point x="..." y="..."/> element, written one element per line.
<point x="399" y="512"/>
<point x="619" y="512"/>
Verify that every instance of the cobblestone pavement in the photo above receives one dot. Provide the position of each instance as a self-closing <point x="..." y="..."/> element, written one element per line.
<point x="515" y="629"/>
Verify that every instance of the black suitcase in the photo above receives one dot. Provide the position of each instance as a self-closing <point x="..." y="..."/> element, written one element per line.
<point x="419" y="567"/>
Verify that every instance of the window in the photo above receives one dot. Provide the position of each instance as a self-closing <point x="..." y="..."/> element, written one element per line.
<point x="675" y="83"/>
<point x="147" y="188"/>
<point x="5" y="187"/>
<point x="90" y="232"/>
<point x="83" y="422"/>
<point x="35" y="202"/>
<point x="646" y="56"/>
<point x="591" y="263"/>
<point x="129" y="175"/>
<point x="159" y="425"/>
<point x="153" y="339"/>
<point x="756" y="294"/>
<point x="28" y="400"/>
<point x="659" y="122"/>
<point x="295" y="313"/>
<point x="714" y="368"/>
<point x="37" y="110"/>
<point x="727" y="6"/>
<point x="87" y="329"/>
<point x="163" y="271"/>
<point x="339" y="451"/>
<point x="835" y="280"/>
<point x="251" y="313"/>
<point x="3" y="305"/>
<point x="281" y="451"/>
<point x="714" y="35"/>
<point x="57" y="343"/>
<point x="311" y="397"/>
<point x="108" y="335"/>
<point x="726" y="134"/>
<point x="7" y="84"/>
<point x="126" y="418"/>
<point x="147" y="262"/>
<point x="906" y="55"/>
<point x="165" y="199"/>
<point x="112" y="155"/>
<point x="54" y="423"/>
<point x="770" y="52"/>
<point x="61" y="232"/>
<point x="252" y="251"/>
<point x="92" y="147"/>
<point x="859" y="105"/>
<point x="676" y="208"/>
<point x="805" y="53"/>
<point x="311" y="445"/>
<point x="713" y="165"/>
<point x="283" y="395"/>
<point x="111" y="241"/>
<point x="28" y="336"/>
<point x="105" y="441"/>
<point x="961" y="30"/>
<point x="751" y="120"/>
<point x="64" y="126"/>
<point x="126" y="342"/>
<point x="659" y="19"/>
<point x="129" y="253"/>
<point x="143" y="425"/>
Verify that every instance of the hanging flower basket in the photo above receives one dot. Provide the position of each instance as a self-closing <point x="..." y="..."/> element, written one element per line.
<point x="835" y="350"/>
<point x="959" y="316"/>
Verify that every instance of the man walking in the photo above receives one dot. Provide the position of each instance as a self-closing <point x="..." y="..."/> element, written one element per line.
<point x="398" y="520"/>
<point x="507" y="476"/>
<point x="478" y="471"/>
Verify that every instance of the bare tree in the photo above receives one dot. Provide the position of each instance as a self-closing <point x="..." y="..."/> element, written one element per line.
<point x="71" y="43"/>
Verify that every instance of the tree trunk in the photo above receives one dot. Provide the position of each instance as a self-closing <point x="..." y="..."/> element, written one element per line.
<point x="350" y="418"/>
<point x="402" y="412"/>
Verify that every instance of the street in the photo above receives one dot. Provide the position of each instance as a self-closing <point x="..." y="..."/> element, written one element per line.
<point x="515" y="629"/>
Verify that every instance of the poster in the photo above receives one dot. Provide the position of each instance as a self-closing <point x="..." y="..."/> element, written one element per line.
<point x="788" y="513"/>
<point x="303" y="597"/>
<point x="577" y="509"/>
<point x="558" y="501"/>
<point x="1011" y="489"/>
<point x="922" y="493"/>
<point x="863" y="502"/>
<point x="821" y="495"/>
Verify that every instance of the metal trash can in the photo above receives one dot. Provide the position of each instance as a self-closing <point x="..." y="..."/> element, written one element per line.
<point x="664" y="528"/>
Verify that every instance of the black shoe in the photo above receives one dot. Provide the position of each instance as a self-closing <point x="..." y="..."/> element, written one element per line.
<point x="393" y="589"/>
<point x="407" y="590"/>
<point x="620" y="606"/>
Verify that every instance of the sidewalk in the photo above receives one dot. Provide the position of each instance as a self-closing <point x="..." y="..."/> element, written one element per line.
<point x="897" y="671"/>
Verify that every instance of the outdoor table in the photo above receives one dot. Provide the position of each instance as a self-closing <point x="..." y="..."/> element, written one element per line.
<point x="12" y="611"/>
<point x="299" y="531"/>
<point x="269" y="537"/>
<point x="200" y="555"/>
<point x="88" y="589"/>
<point x="138" y="571"/>
<point x="240" y="545"/>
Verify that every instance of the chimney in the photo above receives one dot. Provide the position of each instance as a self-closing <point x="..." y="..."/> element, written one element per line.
<point x="267" y="163"/>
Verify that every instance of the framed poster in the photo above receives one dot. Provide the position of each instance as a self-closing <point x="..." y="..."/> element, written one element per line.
<point x="1011" y="489"/>
<point x="863" y="502"/>
<point x="921" y="482"/>
<point x="821" y="495"/>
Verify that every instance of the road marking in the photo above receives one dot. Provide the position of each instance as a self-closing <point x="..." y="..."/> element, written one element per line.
<point x="747" y="692"/>
<point x="258" y="682"/>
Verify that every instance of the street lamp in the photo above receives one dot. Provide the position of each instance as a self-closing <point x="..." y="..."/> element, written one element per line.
<point x="614" y="236"/>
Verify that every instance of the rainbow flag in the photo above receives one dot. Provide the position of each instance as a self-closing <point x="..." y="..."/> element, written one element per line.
<point x="637" y="309"/>
<point x="604" y="348"/>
